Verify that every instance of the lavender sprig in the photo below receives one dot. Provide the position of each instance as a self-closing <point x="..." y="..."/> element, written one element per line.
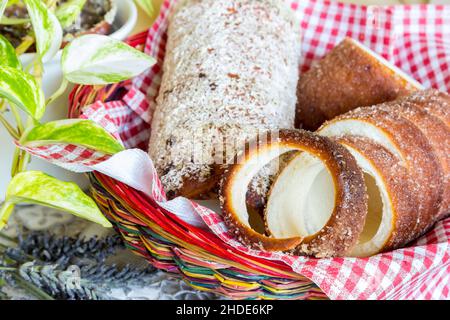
<point x="113" y="276"/>
<point x="63" y="250"/>
<point x="60" y="284"/>
<point x="68" y="268"/>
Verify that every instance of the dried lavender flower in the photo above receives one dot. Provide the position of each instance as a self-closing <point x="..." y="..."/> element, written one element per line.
<point x="93" y="282"/>
<point x="69" y="268"/>
<point x="62" y="250"/>
<point x="60" y="284"/>
<point x="113" y="276"/>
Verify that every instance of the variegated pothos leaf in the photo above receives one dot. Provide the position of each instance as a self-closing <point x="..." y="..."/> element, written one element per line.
<point x="98" y="60"/>
<point x="47" y="29"/>
<point x="39" y="188"/>
<point x="3" y="4"/>
<point x="22" y="90"/>
<point x="79" y="132"/>
<point x="147" y="6"/>
<point x="8" y="55"/>
<point x="69" y="11"/>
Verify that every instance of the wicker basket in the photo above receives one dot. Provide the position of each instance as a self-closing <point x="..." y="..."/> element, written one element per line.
<point x="197" y="256"/>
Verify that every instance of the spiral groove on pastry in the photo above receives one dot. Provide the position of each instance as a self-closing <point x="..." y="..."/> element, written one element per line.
<point x="384" y="125"/>
<point x="430" y="111"/>
<point x="341" y="219"/>
<point x="392" y="213"/>
<point x="394" y="157"/>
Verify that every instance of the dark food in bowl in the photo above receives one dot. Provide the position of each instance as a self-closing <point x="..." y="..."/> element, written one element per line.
<point x="97" y="17"/>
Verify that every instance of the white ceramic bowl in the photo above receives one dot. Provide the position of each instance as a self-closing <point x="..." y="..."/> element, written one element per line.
<point x="125" y="21"/>
<point x="126" y="18"/>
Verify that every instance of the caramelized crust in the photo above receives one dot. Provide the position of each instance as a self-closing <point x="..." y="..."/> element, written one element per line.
<point x="434" y="102"/>
<point x="346" y="222"/>
<point x="347" y="78"/>
<point x="397" y="182"/>
<point x="412" y="147"/>
<point x="199" y="189"/>
<point x="419" y="112"/>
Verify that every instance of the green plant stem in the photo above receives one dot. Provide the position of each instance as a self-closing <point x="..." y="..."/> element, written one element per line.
<point x="21" y="157"/>
<point x="8" y="269"/>
<point x="28" y="67"/>
<point x="29" y="287"/>
<point x="62" y="88"/>
<point x="5" y="211"/>
<point x="38" y="69"/>
<point x="27" y="42"/>
<point x="7" y="238"/>
<point x="51" y="4"/>
<point x="18" y="118"/>
<point x="34" y="290"/>
<point x="15" y="162"/>
<point x="9" y="127"/>
<point x="23" y="161"/>
<point x="13" y="21"/>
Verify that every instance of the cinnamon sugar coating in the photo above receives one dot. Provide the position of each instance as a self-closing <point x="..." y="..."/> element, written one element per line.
<point x="428" y="110"/>
<point x="414" y="150"/>
<point x="342" y="230"/>
<point x="346" y="78"/>
<point x="435" y="102"/>
<point x="398" y="184"/>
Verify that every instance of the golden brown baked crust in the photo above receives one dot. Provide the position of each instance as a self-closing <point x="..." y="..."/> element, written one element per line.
<point x="418" y="111"/>
<point x="342" y="229"/>
<point x="414" y="150"/>
<point x="397" y="182"/>
<point x="193" y="188"/>
<point x="434" y="102"/>
<point x="347" y="78"/>
<point x="240" y="230"/>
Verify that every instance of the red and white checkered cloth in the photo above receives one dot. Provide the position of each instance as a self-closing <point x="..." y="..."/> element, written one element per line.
<point x="414" y="37"/>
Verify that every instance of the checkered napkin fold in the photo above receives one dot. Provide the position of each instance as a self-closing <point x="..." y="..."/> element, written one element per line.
<point x="412" y="37"/>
